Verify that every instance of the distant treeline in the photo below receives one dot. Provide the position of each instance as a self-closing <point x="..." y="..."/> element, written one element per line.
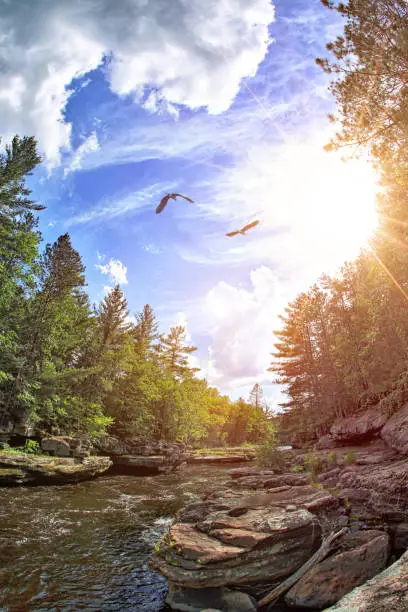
<point x="69" y="368"/>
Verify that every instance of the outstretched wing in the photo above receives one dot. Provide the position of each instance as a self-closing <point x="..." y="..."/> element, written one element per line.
<point x="249" y="226"/>
<point x="163" y="204"/>
<point x="233" y="233"/>
<point x="180" y="195"/>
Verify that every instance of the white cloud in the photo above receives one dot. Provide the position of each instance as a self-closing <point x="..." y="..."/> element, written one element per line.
<point x="116" y="270"/>
<point x="190" y="53"/>
<point x="90" y="145"/>
<point x="122" y="205"/>
<point x="240" y="322"/>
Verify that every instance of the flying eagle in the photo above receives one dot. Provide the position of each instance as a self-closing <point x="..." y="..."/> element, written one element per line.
<point x="243" y="230"/>
<point x="170" y="196"/>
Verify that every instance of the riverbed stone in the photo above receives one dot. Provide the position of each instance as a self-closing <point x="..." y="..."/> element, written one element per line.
<point x="217" y="599"/>
<point x="363" y="555"/>
<point x="388" y="591"/>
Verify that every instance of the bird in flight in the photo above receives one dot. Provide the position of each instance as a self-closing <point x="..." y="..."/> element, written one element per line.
<point x="170" y="196"/>
<point x="243" y="230"/>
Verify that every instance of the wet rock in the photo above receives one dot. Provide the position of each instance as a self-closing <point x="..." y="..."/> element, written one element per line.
<point x="395" y="431"/>
<point x="359" y="428"/>
<point x="249" y="471"/>
<point x="385" y="592"/>
<point x="13" y="476"/>
<point x="362" y="556"/>
<point x="258" y="479"/>
<point x="237" y="545"/>
<point x="237" y="458"/>
<point x="215" y="599"/>
<point x="49" y="470"/>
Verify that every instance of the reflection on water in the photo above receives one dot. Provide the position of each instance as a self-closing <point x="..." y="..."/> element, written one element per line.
<point x="86" y="546"/>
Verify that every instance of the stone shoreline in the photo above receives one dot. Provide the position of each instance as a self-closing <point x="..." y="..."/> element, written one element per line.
<point x="237" y="544"/>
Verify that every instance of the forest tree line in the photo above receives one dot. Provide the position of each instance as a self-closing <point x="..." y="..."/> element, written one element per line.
<point x="343" y="344"/>
<point x="67" y="367"/>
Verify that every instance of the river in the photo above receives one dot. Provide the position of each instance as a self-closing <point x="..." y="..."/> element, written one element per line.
<point x="86" y="546"/>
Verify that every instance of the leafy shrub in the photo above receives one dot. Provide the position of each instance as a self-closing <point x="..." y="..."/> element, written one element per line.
<point x="32" y="447"/>
<point x="313" y="463"/>
<point x="332" y="458"/>
<point x="296" y="469"/>
<point x="268" y="453"/>
<point x="349" y="457"/>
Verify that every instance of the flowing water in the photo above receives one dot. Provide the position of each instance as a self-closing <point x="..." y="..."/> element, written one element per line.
<point x="86" y="546"/>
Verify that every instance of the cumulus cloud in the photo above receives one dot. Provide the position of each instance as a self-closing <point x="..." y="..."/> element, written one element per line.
<point x="188" y="53"/>
<point x="115" y="270"/>
<point x="240" y="322"/>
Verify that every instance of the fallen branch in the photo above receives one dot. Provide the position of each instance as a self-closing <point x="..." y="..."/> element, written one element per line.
<point x="318" y="556"/>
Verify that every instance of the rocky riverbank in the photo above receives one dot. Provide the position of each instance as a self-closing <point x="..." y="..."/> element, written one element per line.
<point x="40" y="470"/>
<point x="243" y="541"/>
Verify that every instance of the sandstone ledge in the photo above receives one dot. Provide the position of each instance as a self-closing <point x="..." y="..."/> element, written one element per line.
<point x="24" y="469"/>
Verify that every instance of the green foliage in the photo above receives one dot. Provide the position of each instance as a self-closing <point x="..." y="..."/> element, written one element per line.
<point x="349" y="457"/>
<point x="296" y="469"/>
<point x="332" y="458"/>
<point x="268" y="453"/>
<point x="32" y="447"/>
<point x="313" y="463"/>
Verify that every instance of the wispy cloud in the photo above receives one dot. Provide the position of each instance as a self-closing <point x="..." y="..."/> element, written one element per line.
<point x="119" y="206"/>
<point x="90" y="145"/>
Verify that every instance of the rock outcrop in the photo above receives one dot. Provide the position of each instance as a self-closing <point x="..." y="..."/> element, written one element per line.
<point x="359" y="428"/>
<point x="395" y="431"/>
<point x="66" y="446"/>
<point x="25" y="469"/>
<point x="133" y="456"/>
<point x="363" y="555"/>
<point x="234" y="539"/>
<point x="388" y="591"/>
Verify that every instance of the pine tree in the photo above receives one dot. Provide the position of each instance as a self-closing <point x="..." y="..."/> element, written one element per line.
<point x="145" y="332"/>
<point x="112" y="318"/>
<point x="256" y="397"/>
<point x="174" y="353"/>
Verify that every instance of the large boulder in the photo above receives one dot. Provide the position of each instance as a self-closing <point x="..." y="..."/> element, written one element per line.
<point x="237" y="539"/>
<point x="385" y="592"/>
<point x="358" y="428"/>
<point x="363" y="555"/>
<point x="395" y="431"/>
<point x="66" y="446"/>
<point x="26" y="469"/>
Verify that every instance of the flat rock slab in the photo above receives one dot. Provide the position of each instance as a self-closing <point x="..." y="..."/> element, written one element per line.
<point x="50" y="470"/>
<point x="260" y="544"/>
<point x="386" y="592"/>
<point x="221" y="458"/>
<point x="364" y="555"/>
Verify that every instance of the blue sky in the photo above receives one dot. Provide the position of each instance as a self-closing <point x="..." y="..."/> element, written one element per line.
<point x="218" y="99"/>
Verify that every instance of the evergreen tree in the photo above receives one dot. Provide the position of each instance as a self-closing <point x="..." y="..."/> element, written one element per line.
<point x="146" y="332"/>
<point x="256" y="397"/>
<point x="174" y="352"/>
